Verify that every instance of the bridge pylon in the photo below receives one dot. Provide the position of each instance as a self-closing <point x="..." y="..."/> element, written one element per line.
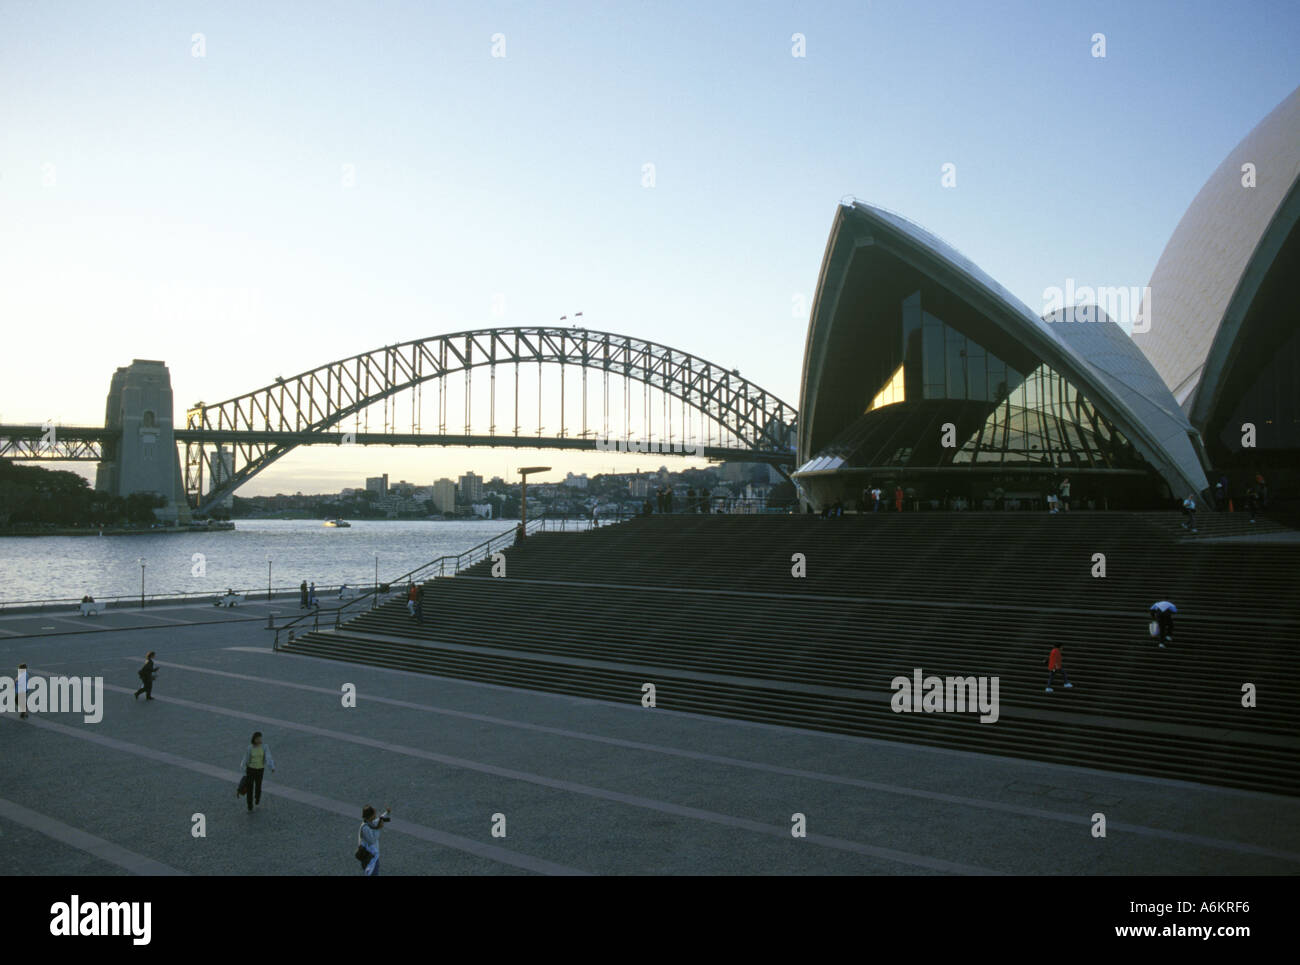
<point x="140" y="456"/>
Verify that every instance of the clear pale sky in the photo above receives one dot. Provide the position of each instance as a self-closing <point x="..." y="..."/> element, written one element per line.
<point x="156" y="204"/>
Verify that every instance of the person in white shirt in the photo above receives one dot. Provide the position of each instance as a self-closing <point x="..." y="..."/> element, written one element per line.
<point x="368" y="837"/>
<point x="22" y="691"/>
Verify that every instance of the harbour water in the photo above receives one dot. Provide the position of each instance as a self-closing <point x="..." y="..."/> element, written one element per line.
<point x="38" y="568"/>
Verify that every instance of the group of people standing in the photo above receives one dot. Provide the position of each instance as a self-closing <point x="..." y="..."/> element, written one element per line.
<point x="876" y="500"/>
<point x="307" y="599"/>
<point x="307" y="596"/>
<point x="696" y="502"/>
<point x="1254" y="499"/>
<point x="1058" y="497"/>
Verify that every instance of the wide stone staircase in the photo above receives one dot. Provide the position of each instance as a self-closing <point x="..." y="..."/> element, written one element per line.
<point x="707" y="609"/>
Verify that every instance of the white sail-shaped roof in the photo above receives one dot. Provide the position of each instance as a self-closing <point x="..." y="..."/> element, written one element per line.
<point x="1213" y="246"/>
<point x="1096" y="356"/>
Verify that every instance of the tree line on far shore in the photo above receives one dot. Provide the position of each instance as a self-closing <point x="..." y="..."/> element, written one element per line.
<point x="32" y="497"/>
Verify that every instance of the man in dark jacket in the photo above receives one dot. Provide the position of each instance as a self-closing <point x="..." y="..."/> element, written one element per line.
<point x="146" y="674"/>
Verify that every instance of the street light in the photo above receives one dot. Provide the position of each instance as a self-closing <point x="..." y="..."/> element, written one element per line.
<point x="375" y="600"/>
<point x="523" y="497"/>
<point x="141" y="562"/>
<point x="268" y="577"/>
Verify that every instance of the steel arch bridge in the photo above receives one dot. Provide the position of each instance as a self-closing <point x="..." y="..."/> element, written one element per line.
<point x="232" y="441"/>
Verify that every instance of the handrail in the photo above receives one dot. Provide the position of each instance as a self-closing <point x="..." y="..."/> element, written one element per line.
<point x="488" y="546"/>
<point x="121" y="600"/>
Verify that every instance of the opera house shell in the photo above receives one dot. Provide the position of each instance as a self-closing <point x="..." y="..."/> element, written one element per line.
<point x="1223" y="332"/>
<point x="922" y="373"/>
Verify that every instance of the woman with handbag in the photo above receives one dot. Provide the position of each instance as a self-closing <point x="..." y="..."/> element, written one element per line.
<point x="257" y="758"/>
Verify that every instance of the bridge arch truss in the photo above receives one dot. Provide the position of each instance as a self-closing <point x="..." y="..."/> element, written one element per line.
<point x="227" y="443"/>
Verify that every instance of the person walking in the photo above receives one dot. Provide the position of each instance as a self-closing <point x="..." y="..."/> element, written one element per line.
<point x="368" y="838"/>
<point x="302" y="595"/>
<point x="410" y="599"/>
<point x="898" y="499"/>
<point x="1252" y="502"/>
<point x="1064" y="498"/>
<point x="257" y="758"/>
<point x="146" y="675"/>
<point x="1189" y="510"/>
<point x="419" y="604"/>
<point x="22" y="691"/>
<point x="877" y="498"/>
<point x="1055" y="663"/>
<point x="312" y="602"/>
<point x="1162" y="614"/>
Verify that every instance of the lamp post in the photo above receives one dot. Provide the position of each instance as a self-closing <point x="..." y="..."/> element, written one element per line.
<point x="374" y="602"/>
<point x="268" y="578"/>
<point x="523" y="497"/>
<point x="141" y="562"/>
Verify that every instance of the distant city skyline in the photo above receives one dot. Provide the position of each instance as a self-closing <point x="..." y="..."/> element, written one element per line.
<point x="246" y="193"/>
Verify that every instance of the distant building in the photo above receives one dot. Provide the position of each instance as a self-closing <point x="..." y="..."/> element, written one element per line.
<point x="378" y="484"/>
<point x="639" y="487"/>
<point x="444" y="496"/>
<point x="471" y="488"/>
<point x="482" y="509"/>
<point x="576" y="482"/>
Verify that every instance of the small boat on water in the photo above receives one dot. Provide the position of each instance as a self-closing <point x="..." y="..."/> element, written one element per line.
<point x="339" y="523"/>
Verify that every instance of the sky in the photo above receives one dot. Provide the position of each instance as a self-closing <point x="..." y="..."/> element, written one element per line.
<point x="249" y="190"/>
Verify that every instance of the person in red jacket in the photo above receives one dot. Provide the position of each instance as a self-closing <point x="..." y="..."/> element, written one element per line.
<point x="898" y="499"/>
<point x="1055" y="662"/>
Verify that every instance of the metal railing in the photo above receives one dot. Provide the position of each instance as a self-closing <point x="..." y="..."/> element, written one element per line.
<point x="132" y="600"/>
<point x="135" y="601"/>
<point x="723" y="506"/>
<point x="442" y="566"/>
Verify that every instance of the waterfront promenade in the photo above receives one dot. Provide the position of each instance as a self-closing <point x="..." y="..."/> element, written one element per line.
<point x="583" y="786"/>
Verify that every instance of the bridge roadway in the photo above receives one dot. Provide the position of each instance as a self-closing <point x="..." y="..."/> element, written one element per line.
<point x="585" y="787"/>
<point x="82" y="443"/>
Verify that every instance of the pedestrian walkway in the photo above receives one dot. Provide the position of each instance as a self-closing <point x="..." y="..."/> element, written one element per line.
<point x="583" y="786"/>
